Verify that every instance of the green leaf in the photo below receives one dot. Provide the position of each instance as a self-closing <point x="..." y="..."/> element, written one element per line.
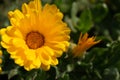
<point x="35" y="74"/>
<point x="111" y="74"/>
<point x="114" y="53"/>
<point x="85" y="21"/>
<point x="41" y="75"/>
<point x="117" y="16"/>
<point x="74" y="12"/>
<point x="66" y="77"/>
<point x="99" y="12"/>
<point x="12" y="73"/>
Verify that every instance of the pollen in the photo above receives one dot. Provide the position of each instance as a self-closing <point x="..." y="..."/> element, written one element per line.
<point x="34" y="40"/>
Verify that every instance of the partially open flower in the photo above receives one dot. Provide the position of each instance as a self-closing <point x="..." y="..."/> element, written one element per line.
<point x="84" y="44"/>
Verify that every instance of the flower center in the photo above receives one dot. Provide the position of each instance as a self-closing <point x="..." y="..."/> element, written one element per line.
<point x="34" y="40"/>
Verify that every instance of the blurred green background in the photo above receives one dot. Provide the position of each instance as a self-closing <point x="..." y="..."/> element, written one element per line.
<point x="99" y="18"/>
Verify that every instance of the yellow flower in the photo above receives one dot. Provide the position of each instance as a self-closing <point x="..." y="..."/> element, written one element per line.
<point x="84" y="44"/>
<point x="37" y="35"/>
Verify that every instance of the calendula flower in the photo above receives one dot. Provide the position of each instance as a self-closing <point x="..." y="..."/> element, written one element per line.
<point x="84" y="44"/>
<point x="37" y="35"/>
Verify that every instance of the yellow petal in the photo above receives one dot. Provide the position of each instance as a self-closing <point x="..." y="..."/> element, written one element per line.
<point x="14" y="22"/>
<point x="51" y="10"/>
<point x="2" y="31"/>
<point x="45" y="58"/>
<point x="18" y="42"/>
<point x="55" y="45"/>
<point x="28" y="65"/>
<point x="36" y="4"/>
<point x="85" y="36"/>
<point x="48" y="50"/>
<point x="6" y="38"/>
<point x="45" y="67"/>
<point x="58" y="53"/>
<point x="4" y="44"/>
<point x="30" y="54"/>
<point x="1" y="53"/>
<point x="19" y="61"/>
<point x="13" y="32"/>
<point x="16" y="15"/>
<point x="0" y="60"/>
<point x="0" y="70"/>
<point x="37" y="62"/>
<point x="25" y="9"/>
<point x="54" y="61"/>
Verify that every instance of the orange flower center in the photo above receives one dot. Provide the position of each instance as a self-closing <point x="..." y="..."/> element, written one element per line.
<point x="34" y="40"/>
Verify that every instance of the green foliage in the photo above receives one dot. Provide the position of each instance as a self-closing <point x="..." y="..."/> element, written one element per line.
<point x="99" y="12"/>
<point x="85" y="22"/>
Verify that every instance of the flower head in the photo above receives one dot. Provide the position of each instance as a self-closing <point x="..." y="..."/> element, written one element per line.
<point x="37" y="35"/>
<point x="84" y="44"/>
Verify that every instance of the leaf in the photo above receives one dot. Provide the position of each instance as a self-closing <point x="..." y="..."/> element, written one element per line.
<point x="111" y="74"/>
<point x="41" y="75"/>
<point x="66" y="77"/>
<point x="12" y="73"/>
<point x="114" y="53"/>
<point x="99" y="12"/>
<point x="117" y="16"/>
<point x="85" y="21"/>
<point x="74" y="12"/>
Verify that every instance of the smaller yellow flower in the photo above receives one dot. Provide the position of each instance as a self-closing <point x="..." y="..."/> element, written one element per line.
<point x="84" y="44"/>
